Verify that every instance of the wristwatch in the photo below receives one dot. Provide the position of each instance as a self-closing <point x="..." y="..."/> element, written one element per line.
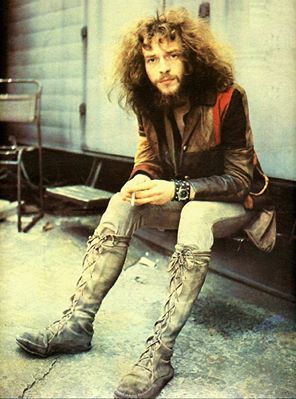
<point x="182" y="190"/>
<point x="182" y="194"/>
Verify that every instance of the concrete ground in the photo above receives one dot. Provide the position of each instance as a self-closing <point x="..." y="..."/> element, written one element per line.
<point x="237" y="343"/>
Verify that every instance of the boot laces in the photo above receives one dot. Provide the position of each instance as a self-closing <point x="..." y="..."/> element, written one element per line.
<point x="184" y="258"/>
<point x="95" y="244"/>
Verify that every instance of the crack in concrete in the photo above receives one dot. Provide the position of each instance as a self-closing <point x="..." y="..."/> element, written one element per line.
<point x="38" y="379"/>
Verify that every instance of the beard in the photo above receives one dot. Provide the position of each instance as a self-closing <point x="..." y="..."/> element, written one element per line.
<point x="170" y="100"/>
<point x="175" y="99"/>
<point x="149" y="99"/>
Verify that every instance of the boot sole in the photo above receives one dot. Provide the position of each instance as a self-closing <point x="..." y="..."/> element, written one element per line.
<point x="151" y="393"/>
<point x="36" y="353"/>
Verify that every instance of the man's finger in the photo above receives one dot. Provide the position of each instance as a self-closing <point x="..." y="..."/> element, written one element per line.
<point x="140" y="186"/>
<point x="147" y="193"/>
<point x="146" y="200"/>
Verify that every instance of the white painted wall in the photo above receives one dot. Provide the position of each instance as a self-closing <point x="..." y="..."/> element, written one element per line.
<point x="263" y="35"/>
<point x="109" y="129"/>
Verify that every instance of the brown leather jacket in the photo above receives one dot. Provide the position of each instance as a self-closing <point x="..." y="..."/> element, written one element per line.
<point x="215" y="153"/>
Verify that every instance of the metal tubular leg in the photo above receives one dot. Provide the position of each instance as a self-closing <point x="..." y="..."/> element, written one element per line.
<point x="41" y="202"/>
<point x="94" y="173"/>
<point x="19" y="203"/>
<point x="21" y="105"/>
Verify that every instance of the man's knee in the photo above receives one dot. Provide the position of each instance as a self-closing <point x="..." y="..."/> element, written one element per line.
<point x="118" y="208"/>
<point x="116" y="201"/>
<point x="119" y="217"/>
<point x="196" y="223"/>
<point x="197" y="211"/>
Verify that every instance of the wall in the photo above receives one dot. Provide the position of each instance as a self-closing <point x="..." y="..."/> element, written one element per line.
<point x="109" y="129"/>
<point x="45" y="44"/>
<point x="263" y="36"/>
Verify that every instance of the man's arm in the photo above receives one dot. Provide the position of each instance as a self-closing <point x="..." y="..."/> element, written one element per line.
<point x="146" y="159"/>
<point x="144" y="181"/>
<point x="236" y="139"/>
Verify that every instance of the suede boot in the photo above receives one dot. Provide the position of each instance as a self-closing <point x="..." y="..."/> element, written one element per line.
<point x="73" y="332"/>
<point x="188" y="268"/>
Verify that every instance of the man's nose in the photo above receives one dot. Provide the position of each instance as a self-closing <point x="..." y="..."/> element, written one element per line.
<point x="164" y="65"/>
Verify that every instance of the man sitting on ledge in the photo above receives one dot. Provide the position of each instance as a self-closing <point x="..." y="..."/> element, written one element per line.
<point x="195" y="170"/>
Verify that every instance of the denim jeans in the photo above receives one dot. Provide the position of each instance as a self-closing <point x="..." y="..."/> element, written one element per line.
<point x="197" y="222"/>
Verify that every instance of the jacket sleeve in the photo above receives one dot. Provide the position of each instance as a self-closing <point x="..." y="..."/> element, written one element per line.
<point x="146" y="160"/>
<point x="237" y="146"/>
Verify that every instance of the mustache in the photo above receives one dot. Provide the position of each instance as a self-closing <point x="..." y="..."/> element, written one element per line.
<point x="166" y="77"/>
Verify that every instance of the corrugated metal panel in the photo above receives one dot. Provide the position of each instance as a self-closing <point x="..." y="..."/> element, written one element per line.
<point x="45" y="44"/>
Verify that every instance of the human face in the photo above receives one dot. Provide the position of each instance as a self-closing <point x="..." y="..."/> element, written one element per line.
<point x="164" y="64"/>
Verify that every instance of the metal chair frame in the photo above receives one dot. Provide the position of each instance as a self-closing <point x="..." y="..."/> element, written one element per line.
<point x="20" y="107"/>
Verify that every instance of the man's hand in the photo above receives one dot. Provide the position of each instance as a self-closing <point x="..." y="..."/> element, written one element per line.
<point x="155" y="192"/>
<point x="130" y="186"/>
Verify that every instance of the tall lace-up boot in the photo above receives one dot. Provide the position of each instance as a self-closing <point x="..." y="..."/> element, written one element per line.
<point x="188" y="268"/>
<point x="73" y="332"/>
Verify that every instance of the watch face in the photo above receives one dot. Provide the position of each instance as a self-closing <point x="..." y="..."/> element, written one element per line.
<point x="183" y="194"/>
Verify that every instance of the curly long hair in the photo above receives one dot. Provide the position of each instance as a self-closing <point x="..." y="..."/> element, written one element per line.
<point x="207" y="61"/>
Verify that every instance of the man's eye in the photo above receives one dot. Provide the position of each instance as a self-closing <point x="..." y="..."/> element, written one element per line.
<point x="174" y="56"/>
<point x="151" y="60"/>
